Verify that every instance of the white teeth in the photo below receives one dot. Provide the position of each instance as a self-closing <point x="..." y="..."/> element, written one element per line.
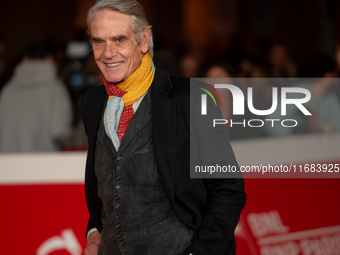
<point x="115" y="64"/>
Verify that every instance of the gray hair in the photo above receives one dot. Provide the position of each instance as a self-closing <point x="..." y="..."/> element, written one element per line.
<point x="130" y="7"/>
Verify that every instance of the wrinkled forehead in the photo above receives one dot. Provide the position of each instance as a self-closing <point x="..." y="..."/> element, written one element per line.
<point x="107" y="18"/>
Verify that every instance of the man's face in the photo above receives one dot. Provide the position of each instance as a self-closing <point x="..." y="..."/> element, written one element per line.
<point x="115" y="48"/>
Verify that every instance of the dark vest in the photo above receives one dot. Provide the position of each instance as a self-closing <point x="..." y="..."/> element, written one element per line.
<point x="137" y="216"/>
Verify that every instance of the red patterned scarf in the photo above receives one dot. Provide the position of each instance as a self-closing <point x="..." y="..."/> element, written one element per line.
<point x="127" y="113"/>
<point x="131" y="90"/>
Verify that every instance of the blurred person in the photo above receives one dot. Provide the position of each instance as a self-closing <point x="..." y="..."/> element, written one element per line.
<point x="92" y="77"/>
<point x="259" y="71"/>
<point x="246" y="66"/>
<point x="323" y="105"/>
<point x="222" y="70"/>
<point x="190" y="66"/>
<point x="262" y="89"/>
<point x="260" y="99"/>
<point x="138" y="189"/>
<point x="281" y="65"/>
<point x="35" y="109"/>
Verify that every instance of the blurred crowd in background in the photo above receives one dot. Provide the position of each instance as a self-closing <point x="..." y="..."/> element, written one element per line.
<point x="41" y="89"/>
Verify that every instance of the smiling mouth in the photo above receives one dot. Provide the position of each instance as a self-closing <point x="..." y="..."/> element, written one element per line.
<point x="114" y="64"/>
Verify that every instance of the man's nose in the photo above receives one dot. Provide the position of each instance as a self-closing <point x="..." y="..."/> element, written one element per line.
<point x="110" y="50"/>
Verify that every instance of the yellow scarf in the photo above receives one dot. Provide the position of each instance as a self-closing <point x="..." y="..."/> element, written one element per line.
<point x="138" y="82"/>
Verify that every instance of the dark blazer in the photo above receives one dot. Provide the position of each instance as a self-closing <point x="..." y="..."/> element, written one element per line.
<point x="211" y="207"/>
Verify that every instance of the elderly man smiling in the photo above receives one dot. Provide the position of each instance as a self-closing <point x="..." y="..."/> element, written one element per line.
<point x="139" y="194"/>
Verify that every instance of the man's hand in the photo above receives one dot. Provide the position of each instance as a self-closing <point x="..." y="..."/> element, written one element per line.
<point x="93" y="242"/>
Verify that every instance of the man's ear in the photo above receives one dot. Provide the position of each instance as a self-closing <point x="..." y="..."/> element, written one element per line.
<point x="145" y="41"/>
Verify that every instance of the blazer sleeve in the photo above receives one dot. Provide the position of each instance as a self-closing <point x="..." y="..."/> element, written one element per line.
<point x="91" y="108"/>
<point x="226" y="197"/>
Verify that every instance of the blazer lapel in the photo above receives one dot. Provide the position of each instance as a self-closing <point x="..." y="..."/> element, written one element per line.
<point x="138" y="122"/>
<point x="164" y="128"/>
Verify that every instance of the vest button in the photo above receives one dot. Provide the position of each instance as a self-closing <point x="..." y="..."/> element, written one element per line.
<point x="117" y="226"/>
<point x="119" y="158"/>
<point x="118" y="178"/>
<point x="117" y="206"/>
<point x="117" y="197"/>
<point x="121" y="243"/>
<point x="117" y="187"/>
<point x="120" y="234"/>
<point x="117" y="216"/>
<point x="118" y="168"/>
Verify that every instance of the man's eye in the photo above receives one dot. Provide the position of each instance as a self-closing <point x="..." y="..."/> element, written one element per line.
<point x="97" y="41"/>
<point x="120" y="39"/>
